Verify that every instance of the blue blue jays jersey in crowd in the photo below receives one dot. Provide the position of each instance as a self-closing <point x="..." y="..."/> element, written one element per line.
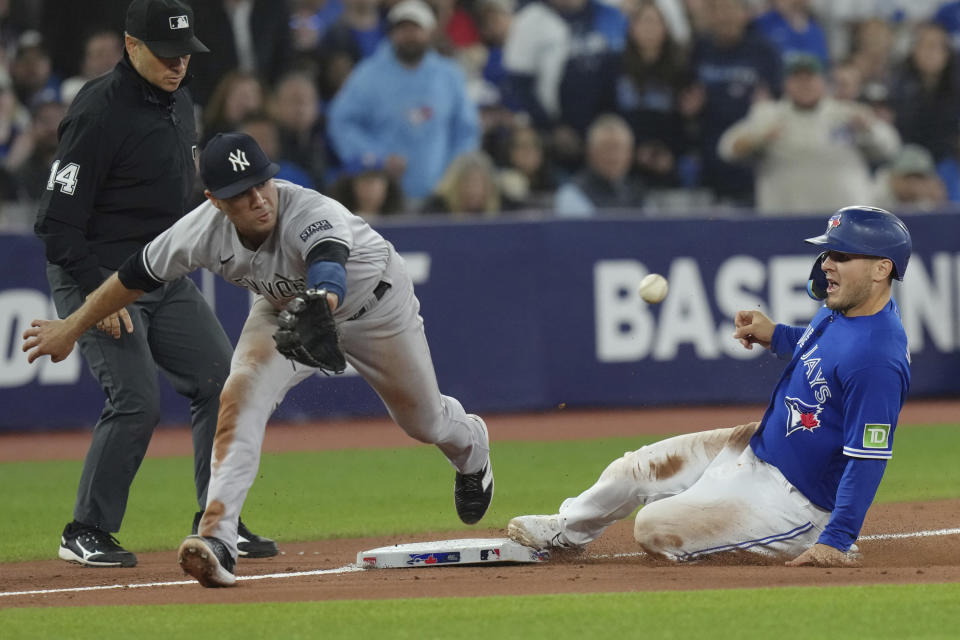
<point x="839" y="398"/>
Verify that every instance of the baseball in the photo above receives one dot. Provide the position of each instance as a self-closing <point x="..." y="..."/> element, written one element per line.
<point x="653" y="288"/>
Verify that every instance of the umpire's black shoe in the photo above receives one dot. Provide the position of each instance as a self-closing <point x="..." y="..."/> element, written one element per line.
<point x="207" y="560"/>
<point x="473" y="493"/>
<point x="93" y="547"/>
<point x="249" y="544"/>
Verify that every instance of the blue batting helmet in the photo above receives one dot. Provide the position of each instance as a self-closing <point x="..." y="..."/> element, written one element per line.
<point x="866" y="231"/>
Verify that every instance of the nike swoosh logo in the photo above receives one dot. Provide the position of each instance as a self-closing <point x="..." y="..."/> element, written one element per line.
<point x="222" y="261"/>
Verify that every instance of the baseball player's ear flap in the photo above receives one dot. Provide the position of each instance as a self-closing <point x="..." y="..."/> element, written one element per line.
<point x="817" y="285"/>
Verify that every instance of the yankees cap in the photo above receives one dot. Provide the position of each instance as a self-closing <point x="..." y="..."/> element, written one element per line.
<point x="231" y="163"/>
<point x="165" y="26"/>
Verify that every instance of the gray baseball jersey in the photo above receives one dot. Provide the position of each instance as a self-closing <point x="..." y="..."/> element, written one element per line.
<point x="277" y="270"/>
<point x="386" y="344"/>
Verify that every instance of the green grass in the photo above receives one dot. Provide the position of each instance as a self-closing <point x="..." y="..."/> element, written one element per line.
<point x="876" y="612"/>
<point x="316" y="495"/>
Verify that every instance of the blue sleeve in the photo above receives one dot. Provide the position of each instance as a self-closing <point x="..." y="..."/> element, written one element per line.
<point x="326" y="268"/>
<point x="328" y="275"/>
<point x="872" y="398"/>
<point x="858" y="486"/>
<point x="785" y="338"/>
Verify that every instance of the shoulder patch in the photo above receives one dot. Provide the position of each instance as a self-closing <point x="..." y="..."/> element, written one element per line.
<point x="876" y="436"/>
<point x="313" y="227"/>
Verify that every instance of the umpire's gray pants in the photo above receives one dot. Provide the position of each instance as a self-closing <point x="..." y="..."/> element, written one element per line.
<point x="175" y="331"/>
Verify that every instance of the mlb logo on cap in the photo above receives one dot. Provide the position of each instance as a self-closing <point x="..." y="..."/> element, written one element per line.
<point x="165" y="26"/>
<point x="231" y="163"/>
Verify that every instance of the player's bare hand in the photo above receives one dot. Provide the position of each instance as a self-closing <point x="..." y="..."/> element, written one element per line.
<point x="823" y="555"/>
<point x="47" y="338"/>
<point x="111" y="325"/>
<point x="753" y="327"/>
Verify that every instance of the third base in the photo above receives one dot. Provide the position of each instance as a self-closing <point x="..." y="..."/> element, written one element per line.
<point x="443" y="553"/>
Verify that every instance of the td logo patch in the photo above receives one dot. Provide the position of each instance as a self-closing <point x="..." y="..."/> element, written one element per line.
<point x="876" y="436"/>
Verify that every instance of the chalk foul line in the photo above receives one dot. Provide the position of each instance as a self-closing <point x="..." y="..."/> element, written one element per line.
<point x="352" y="568"/>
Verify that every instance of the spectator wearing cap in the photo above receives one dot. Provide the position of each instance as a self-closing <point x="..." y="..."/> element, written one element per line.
<point x="365" y="188"/>
<point x="123" y="172"/>
<point x="406" y="104"/>
<point x="811" y="153"/>
<point x="925" y="98"/>
<point x="250" y="35"/>
<point x="909" y="183"/>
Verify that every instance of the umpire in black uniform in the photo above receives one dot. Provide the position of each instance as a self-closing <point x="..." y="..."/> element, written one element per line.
<point x="123" y="173"/>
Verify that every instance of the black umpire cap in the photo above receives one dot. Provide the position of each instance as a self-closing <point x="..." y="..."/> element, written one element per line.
<point x="165" y="26"/>
<point x="231" y="163"/>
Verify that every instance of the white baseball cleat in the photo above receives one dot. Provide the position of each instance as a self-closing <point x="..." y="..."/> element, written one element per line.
<point x="207" y="560"/>
<point x="539" y="532"/>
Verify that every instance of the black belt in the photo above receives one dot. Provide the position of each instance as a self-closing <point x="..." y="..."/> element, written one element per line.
<point x="378" y="293"/>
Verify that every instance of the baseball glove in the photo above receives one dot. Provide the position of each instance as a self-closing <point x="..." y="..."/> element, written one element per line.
<point x="308" y="333"/>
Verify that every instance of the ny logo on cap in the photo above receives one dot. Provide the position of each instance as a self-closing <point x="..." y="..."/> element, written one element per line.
<point x="238" y="160"/>
<point x="179" y="22"/>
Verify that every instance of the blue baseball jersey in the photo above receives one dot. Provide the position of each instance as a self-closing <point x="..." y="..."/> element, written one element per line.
<point x="836" y="405"/>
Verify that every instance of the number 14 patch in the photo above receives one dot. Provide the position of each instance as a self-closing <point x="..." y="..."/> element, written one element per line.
<point x="876" y="436"/>
<point x="65" y="177"/>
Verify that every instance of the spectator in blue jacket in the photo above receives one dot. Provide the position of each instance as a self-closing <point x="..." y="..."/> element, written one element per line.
<point x="735" y="66"/>
<point x="790" y="26"/>
<point x="406" y="104"/>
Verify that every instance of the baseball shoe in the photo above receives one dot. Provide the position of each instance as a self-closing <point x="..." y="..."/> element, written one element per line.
<point x="207" y="560"/>
<point x="472" y="494"/>
<point x="93" y="547"/>
<point x="539" y="532"/>
<point x="249" y="544"/>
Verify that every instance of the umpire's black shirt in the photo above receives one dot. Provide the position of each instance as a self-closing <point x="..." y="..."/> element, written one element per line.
<point x="123" y="173"/>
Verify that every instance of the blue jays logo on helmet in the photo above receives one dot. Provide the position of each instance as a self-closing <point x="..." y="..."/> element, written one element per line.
<point x="801" y="415"/>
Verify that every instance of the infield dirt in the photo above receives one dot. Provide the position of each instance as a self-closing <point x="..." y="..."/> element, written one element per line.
<point x="911" y="560"/>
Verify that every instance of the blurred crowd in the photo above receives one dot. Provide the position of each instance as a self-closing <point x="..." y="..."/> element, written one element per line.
<point x="468" y="108"/>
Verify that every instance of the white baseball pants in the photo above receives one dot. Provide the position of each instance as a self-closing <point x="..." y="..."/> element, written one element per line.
<point x="701" y="493"/>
